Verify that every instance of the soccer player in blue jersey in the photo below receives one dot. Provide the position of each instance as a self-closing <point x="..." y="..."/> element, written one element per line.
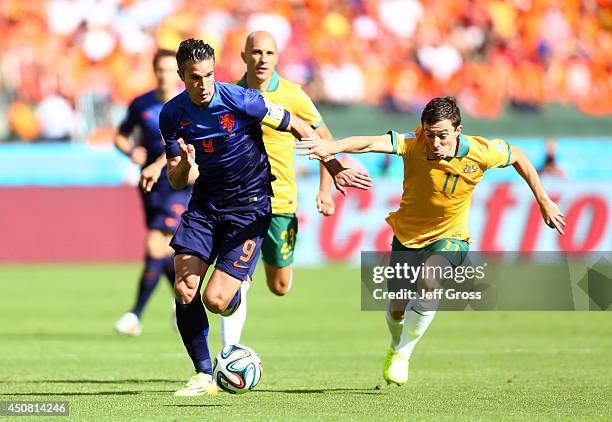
<point x="163" y="205"/>
<point x="219" y="126"/>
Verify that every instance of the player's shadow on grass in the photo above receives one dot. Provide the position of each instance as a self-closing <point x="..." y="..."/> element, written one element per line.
<point x="91" y="381"/>
<point x="320" y="391"/>
<point x="60" y="336"/>
<point x="81" y="393"/>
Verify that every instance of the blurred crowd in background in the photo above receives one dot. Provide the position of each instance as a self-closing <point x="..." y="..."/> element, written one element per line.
<point x="68" y="68"/>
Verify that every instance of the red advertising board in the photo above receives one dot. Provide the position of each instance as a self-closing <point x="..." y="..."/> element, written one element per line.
<point x="106" y="223"/>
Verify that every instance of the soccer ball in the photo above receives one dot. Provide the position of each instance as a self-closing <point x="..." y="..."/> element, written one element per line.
<point x="237" y="369"/>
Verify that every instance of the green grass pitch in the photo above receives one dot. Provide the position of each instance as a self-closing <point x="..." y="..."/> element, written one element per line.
<point x="322" y="356"/>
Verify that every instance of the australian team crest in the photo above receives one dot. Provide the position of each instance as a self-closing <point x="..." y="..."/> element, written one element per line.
<point x="470" y="168"/>
<point x="226" y="121"/>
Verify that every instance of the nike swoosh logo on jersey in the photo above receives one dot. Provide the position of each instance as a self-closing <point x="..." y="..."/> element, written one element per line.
<point x="185" y="123"/>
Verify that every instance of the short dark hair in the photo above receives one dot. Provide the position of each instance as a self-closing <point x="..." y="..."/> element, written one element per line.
<point x="441" y="108"/>
<point x="159" y="54"/>
<point x="194" y="50"/>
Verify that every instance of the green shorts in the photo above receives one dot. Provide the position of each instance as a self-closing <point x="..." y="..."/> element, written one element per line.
<point x="452" y="249"/>
<point x="279" y="243"/>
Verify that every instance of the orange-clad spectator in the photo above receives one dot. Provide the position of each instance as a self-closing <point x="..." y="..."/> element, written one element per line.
<point x="343" y="78"/>
<point x="410" y="87"/>
<point x="376" y="74"/>
<point x="599" y="102"/>
<point x="489" y="53"/>
<point x="527" y="89"/>
<point x="482" y="92"/>
<point x="22" y="121"/>
<point x="504" y="17"/>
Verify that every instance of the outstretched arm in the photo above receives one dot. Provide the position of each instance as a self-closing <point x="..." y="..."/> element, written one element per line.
<point x="551" y="214"/>
<point x="343" y="177"/>
<point x="322" y="149"/>
<point x="278" y="118"/>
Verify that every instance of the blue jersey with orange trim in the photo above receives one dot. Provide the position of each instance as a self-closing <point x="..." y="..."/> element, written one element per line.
<point x="230" y="154"/>
<point x="143" y="113"/>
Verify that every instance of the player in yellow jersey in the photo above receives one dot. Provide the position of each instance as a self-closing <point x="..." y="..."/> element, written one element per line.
<point x="261" y="56"/>
<point x="442" y="167"/>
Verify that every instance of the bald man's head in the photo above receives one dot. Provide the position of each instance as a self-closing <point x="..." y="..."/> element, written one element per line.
<point x="260" y="55"/>
<point x="258" y="37"/>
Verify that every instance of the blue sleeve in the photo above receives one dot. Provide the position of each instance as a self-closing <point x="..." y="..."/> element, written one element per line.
<point x="264" y="111"/>
<point x="131" y="120"/>
<point x="254" y="105"/>
<point x="168" y="128"/>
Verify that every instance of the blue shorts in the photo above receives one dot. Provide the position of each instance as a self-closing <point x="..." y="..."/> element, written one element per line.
<point x="232" y="238"/>
<point x="163" y="208"/>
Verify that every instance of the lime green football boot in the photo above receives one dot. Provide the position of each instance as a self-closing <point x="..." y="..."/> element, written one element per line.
<point x="198" y="385"/>
<point x="395" y="367"/>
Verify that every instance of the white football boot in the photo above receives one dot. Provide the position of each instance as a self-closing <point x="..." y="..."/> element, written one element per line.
<point x="129" y="325"/>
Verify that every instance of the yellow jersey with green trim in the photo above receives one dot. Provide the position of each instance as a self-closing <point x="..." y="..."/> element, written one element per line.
<point x="438" y="193"/>
<point x="280" y="145"/>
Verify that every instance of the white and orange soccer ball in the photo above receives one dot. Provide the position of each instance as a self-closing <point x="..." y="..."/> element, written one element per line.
<point x="237" y="369"/>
